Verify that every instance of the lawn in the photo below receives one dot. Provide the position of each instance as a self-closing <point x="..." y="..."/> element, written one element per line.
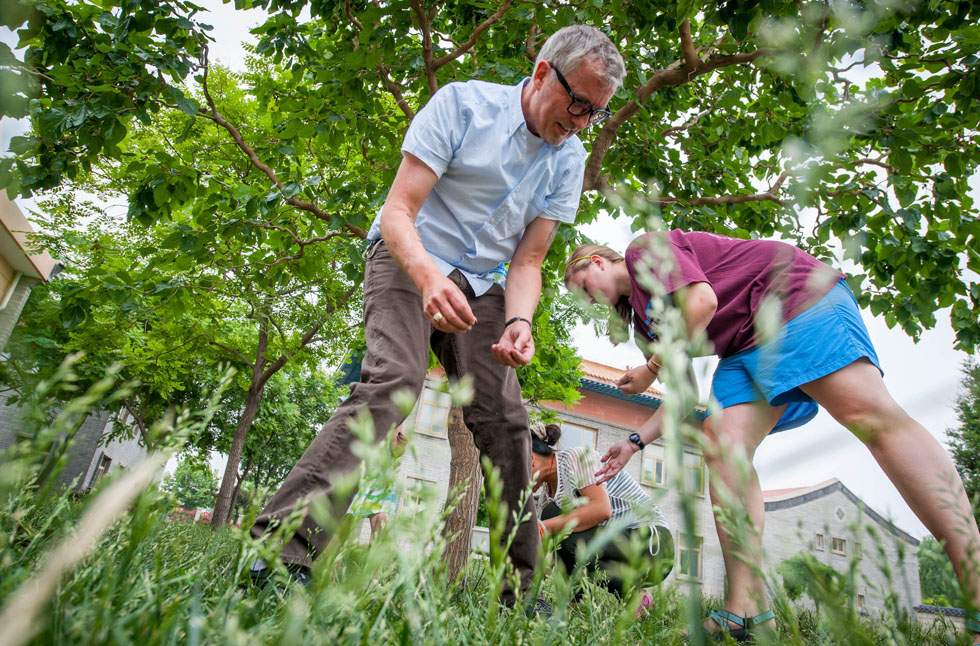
<point x="154" y="580"/>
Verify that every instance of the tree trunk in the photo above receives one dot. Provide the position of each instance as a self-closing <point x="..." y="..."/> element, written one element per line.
<point x="139" y="421"/>
<point x="464" y="471"/>
<point x="262" y="371"/>
<point x="238" y="486"/>
<point x="222" y="504"/>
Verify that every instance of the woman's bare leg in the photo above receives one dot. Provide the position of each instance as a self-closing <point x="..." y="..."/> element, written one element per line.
<point x="916" y="463"/>
<point x="732" y="441"/>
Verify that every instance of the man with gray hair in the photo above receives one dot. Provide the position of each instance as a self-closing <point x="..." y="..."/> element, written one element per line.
<point x="487" y="174"/>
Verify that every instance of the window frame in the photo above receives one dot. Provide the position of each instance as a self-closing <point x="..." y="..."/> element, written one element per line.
<point x="656" y="459"/>
<point x="99" y="471"/>
<point x="592" y="430"/>
<point x="698" y="549"/>
<point x="833" y="546"/>
<point x="819" y="543"/>
<point x="703" y="470"/>
<point x="437" y="396"/>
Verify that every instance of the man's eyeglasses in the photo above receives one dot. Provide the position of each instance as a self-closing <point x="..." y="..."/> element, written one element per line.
<point x="580" y="107"/>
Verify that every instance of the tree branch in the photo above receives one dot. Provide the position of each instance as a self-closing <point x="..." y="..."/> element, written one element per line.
<point x="353" y="19"/>
<point x="307" y="338"/>
<point x="236" y="354"/>
<point x="684" y="126"/>
<point x="423" y="18"/>
<point x="355" y="43"/>
<point x="396" y="92"/>
<point x="302" y="243"/>
<point x="530" y="49"/>
<point x="217" y="118"/>
<point x="876" y="162"/>
<point x="690" y="52"/>
<point x="471" y="41"/>
<point x="772" y="195"/>
<point x="673" y="75"/>
<point x="137" y="420"/>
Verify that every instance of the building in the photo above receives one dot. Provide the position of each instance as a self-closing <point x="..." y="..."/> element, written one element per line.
<point x="21" y="268"/>
<point x="830" y="522"/>
<point x="822" y="519"/>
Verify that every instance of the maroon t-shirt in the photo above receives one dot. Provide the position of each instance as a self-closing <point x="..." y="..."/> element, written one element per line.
<point x="741" y="273"/>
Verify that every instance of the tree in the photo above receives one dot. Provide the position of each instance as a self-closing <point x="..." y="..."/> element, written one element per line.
<point x="106" y="307"/>
<point x="744" y="118"/>
<point x="192" y="483"/>
<point x="466" y="482"/>
<point x="296" y="402"/>
<point x="964" y="440"/>
<point x="747" y="118"/>
<point x="803" y="574"/>
<point x="937" y="582"/>
<point x="257" y="303"/>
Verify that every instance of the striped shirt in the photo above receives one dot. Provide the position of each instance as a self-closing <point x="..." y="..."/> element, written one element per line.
<point x="631" y="506"/>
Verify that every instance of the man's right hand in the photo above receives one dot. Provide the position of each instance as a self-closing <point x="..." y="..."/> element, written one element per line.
<point x="446" y="306"/>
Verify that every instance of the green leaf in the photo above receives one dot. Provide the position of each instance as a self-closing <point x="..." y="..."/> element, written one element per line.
<point x="686" y="9"/>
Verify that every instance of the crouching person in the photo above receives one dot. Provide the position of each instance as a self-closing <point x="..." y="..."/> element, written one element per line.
<point x="563" y="477"/>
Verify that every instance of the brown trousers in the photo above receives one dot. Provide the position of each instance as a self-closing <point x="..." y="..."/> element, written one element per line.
<point x="398" y="336"/>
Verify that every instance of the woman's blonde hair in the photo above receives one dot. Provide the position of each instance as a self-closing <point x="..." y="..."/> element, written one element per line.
<point x="580" y="259"/>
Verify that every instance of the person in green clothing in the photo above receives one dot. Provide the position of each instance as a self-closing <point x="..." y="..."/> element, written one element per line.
<point x="376" y="502"/>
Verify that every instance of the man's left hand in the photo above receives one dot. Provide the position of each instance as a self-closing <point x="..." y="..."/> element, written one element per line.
<point x="516" y="345"/>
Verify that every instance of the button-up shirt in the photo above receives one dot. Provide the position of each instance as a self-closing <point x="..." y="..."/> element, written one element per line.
<point x="494" y="178"/>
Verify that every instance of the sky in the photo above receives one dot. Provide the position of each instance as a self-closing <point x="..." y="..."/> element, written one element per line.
<point x="924" y="376"/>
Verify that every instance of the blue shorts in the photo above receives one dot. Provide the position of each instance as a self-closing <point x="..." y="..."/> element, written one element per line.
<point x="822" y="339"/>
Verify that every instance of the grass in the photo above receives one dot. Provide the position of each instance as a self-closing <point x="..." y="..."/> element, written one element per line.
<point x="142" y="578"/>
<point x="151" y="580"/>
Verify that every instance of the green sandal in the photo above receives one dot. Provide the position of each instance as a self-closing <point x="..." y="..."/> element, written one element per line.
<point x="743" y="630"/>
<point x="972" y="622"/>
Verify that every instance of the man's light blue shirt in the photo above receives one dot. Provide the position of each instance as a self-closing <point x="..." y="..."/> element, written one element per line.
<point x="495" y="178"/>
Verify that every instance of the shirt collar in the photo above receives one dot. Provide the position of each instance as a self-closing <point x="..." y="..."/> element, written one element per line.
<point x="516" y="111"/>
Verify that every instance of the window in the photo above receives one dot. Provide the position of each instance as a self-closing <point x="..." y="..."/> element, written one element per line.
<point x="654" y="472"/>
<point x="838" y="546"/>
<point x="860" y="602"/>
<point x="689" y="557"/>
<point x="432" y="413"/>
<point x="573" y="436"/>
<point x="818" y="542"/>
<point x="102" y="468"/>
<point x="694" y="473"/>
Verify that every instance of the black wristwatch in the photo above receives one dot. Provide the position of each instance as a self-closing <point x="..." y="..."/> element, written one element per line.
<point x="635" y="439"/>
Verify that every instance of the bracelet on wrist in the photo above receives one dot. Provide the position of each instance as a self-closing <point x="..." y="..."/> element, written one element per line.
<point x="516" y="319"/>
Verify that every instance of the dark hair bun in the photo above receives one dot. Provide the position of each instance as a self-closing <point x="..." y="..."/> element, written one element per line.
<point x="552" y="434"/>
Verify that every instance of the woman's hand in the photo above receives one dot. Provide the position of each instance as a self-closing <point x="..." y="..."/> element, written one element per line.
<point x="636" y="380"/>
<point x="617" y="457"/>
